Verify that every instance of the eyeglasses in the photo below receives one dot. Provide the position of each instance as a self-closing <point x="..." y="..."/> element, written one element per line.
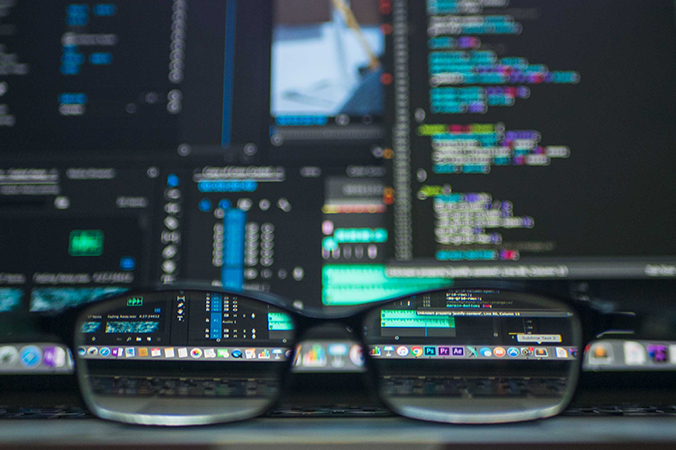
<point x="485" y="354"/>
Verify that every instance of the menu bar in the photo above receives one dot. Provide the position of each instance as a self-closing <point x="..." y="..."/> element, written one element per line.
<point x="472" y="352"/>
<point x="185" y="353"/>
<point x="35" y="358"/>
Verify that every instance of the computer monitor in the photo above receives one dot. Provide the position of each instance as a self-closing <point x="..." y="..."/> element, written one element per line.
<point x="333" y="152"/>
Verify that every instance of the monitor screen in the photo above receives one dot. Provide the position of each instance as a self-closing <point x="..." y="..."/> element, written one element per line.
<point x="333" y="152"/>
<point x="531" y="139"/>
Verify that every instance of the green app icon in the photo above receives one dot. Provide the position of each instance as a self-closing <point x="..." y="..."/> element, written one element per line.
<point x="86" y="243"/>
<point x="135" y="301"/>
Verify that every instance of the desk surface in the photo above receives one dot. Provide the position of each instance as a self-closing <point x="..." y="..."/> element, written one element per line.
<point x="390" y="433"/>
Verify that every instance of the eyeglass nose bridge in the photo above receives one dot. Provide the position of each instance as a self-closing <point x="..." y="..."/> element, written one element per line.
<point x="330" y="345"/>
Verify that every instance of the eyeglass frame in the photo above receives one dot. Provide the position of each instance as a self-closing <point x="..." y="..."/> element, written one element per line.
<point x="593" y="323"/>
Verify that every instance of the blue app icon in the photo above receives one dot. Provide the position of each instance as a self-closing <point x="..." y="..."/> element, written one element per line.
<point x="430" y="351"/>
<point x="486" y="352"/>
<point x="513" y="352"/>
<point x="30" y="356"/>
<point x="105" y="351"/>
<point x="236" y="353"/>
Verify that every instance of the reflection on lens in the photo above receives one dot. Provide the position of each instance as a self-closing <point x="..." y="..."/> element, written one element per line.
<point x="182" y="358"/>
<point x="475" y="356"/>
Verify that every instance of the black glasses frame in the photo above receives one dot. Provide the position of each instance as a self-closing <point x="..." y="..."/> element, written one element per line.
<point x="593" y="323"/>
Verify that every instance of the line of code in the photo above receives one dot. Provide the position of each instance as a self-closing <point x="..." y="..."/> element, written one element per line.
<point x="475" y="148"/>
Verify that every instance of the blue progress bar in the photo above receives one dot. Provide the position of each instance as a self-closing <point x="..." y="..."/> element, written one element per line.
<point x="229" y="72"/>
<point x="232" y="273"/>
<point x="216" y="317"/>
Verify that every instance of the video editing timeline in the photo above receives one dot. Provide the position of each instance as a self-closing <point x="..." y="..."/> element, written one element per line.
<point x="496" y="171"/>
<point x="354" y="241"/>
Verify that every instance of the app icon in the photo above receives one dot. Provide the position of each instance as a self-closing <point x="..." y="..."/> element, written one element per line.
<point x="658" y="353"/>
<point x="417" y="351"/>
<point x="572" y="352"/>
<point x="513" y="352"/>
<point x="183" y="352"/>
<point x="169" y="352"/>
<point x="357" y="355"/>
<point x="297" y="361"/>
<point x="388" y="350"/>
<point x="485" y="352"/>
<point x="92" y="351"/>
<point x="375" y="351"/>
<point x="223" y="353"/>
<point x="526" y="351"/>
<point x="209" y="353"/>
<point x="143" y="352"/>
<point x="471" y="351"/>
<point x="561" y="352"/>
<point x="541" y="352"/>
<point x="130" y="352"/>
<point x="196" y="353"/>
<point x="430" y="351"/>
<point x="315" y="357"/>
<point x="458" y="351"/>
<point x="30" y="356"/>
<point x="82" y="351"/>
<point x="444" y="351"/>
<point x="117" y="352"/>
<point x="155" y="352"/>
<point x="250" y="353"/>
<point x="499" y="352"/>
<point x="54" y="357"/>
<point x="601" y="353"/>
<point x="402" y="351"/>
<point x="104" y="351"/>
<point x="264" y="354"/>
<point x="337" y="362"/>
<point x="237" y="353"/>
<point x="338" y="350"/>
<point x="278" y="352"/>
<point x="9" y="356"/>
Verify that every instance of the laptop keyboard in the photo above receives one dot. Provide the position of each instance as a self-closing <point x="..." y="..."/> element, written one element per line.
<point x="74" y="412"/>
<point x="394" y="386"/>
<point x="183" y="387"/>
<point x="474" y="387"/>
